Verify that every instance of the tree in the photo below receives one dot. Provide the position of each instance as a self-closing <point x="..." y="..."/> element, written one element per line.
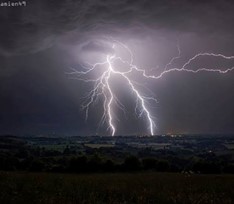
<point x="78" y="164"/>
<point x="131" y="163"/>
<point x="149" y="163"/>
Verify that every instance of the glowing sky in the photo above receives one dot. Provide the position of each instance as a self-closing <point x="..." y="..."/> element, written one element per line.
<point x="40" y="43"/>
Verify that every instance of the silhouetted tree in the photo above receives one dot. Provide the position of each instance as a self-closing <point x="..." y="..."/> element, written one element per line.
<point x="37" y="165"/>
<point x="162" y="166"/>
<point x="109" y="166"/>
<point x="95" y="163"/>
<point x="149" y="163"/>
<point x="78" y="164"/>
<point x="131" y="163"/>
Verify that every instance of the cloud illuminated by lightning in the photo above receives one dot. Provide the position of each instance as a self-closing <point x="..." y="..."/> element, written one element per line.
<point x="102" y="83"/>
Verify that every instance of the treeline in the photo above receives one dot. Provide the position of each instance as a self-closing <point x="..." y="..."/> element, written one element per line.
<point x="16" y="155"/>
<point x="40" y="160"/>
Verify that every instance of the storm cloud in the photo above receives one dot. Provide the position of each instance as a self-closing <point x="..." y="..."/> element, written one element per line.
<point x="41" y="24"/>
<point x="41" y="41"/>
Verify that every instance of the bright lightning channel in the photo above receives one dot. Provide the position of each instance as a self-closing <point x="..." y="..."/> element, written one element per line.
<point x="102" y="84"/>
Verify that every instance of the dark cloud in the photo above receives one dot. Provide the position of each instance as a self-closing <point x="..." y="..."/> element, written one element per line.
<point x="39" y="42"/>
<point x="96" y="46"/>
<point x="39" y="25"/>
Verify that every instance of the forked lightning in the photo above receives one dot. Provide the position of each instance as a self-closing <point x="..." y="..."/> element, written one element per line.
<point x="102" y="84"/>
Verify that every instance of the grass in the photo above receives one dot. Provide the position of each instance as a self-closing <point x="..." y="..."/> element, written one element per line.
<point x="115" y="188"/>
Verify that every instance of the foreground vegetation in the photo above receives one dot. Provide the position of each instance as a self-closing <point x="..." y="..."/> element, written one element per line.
<point x="115" y="188"/>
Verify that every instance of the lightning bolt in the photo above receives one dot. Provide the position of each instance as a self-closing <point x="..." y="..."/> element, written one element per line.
<point x="102" y="84"/>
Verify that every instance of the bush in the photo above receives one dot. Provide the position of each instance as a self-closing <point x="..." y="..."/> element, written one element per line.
<point x="131" y="163"/>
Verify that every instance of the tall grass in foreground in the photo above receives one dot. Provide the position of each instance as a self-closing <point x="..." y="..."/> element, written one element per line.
<point x="116" y="188"/>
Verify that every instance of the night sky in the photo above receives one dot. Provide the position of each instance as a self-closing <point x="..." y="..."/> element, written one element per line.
<point x="41" y="42"/>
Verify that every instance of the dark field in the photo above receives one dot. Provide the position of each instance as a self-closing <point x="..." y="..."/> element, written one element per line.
<point x="115" y="188"/>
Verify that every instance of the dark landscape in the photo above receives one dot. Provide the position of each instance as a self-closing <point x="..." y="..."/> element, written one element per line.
<point x="158" y="169"/>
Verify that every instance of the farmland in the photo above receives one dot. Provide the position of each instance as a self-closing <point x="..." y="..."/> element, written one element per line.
<point x="147" y="187"/>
